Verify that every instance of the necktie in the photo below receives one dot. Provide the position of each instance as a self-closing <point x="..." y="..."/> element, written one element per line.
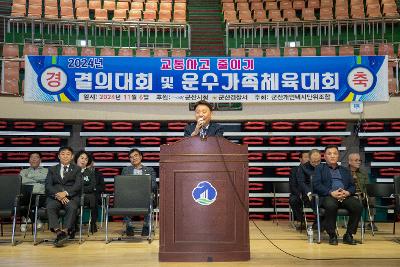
<point x="65" y="171"/>
<point x="203" y="133"/>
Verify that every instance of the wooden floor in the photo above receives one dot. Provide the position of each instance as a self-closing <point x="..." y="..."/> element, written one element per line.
<point x="378" y="250"/>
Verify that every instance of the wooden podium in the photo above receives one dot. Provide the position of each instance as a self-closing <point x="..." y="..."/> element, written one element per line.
<point x="204" y="201"/>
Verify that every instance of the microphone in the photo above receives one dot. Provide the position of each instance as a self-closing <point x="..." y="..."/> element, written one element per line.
<point x="202" y="132"/>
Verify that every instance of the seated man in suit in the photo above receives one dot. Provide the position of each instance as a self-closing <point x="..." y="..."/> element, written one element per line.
<point x="34" y="175"/>
<point x="305" y="171"/>
<point x="63" y="189"/>
<point x="137" y="168"/>
<point x="203" y="126"/>
<point x="335" y="187"/>
<point x="295" y="190"/>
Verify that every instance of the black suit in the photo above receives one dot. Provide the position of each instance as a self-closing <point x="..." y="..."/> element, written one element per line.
<point x="93" y="186"/>
<point x="71" y="183"/>
<point x="214" y="129"/>
<point x="322" y="185"/>
<point x="304" y="173"/>
<point x="295" y="195"/>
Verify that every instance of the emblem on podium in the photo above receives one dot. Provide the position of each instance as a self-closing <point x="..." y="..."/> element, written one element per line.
<point x="204" y="193"/>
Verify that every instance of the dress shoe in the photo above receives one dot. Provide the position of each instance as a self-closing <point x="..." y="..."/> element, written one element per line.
<point x="60" y="239"/>
<point x="348" y="239"/>
<point x="71" y="234"/>
<point x="145" y="231"/>
<point x="333" y="239"/>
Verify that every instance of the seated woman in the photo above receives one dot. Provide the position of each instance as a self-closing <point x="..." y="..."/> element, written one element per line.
<point x="92" y="185"/>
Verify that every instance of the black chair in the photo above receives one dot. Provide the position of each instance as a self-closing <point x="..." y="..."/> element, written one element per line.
<point x="133" y="196"/>
<point x="9" y="200"/>
<point x="41" y="212"/>
<point x="320" y="212"/>
<point x="281" y="188"/>
<point x="385" y="191"/>
<point x="84" y="206"/>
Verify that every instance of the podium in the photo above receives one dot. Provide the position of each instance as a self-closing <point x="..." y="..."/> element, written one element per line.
<point x="204" y="201"/>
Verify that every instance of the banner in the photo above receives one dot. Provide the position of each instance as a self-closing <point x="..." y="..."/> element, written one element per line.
<point x="224" y="79"/>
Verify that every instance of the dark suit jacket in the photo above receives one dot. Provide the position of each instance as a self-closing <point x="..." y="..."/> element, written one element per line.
<point x="322" y="180"/>
<point x="293" y="183"/>
<point x="99" y="182"/>
<point x="72" y="181"/>
<point x="213" y="130"/>
<point x="304" y="173"/>
<point x="89" y="181"/>
<point x="146" y="170"/>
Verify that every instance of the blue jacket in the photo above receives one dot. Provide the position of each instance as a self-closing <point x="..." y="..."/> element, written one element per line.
<point x="214" y="129"/>
<point x="322" y="180"/>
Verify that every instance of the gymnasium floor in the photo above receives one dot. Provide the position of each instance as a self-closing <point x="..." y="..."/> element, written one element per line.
<point x="379" y="250"/>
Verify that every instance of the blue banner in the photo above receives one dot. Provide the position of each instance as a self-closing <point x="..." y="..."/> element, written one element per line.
<point x="225" y="79"/>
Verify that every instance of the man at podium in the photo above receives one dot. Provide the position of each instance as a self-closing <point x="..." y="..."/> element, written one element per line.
<point x="203" y="126"/>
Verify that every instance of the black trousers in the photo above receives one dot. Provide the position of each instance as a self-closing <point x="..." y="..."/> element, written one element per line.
<point x="331" y="206"/>
<point x="92" y="203"/>
<point x="54" y="206"/>
<point x="297" y="207"/>
<point x="296" y="203"/>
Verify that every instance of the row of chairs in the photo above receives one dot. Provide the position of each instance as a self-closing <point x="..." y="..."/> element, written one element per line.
<point x="381" y="141"/>
<point x="368" y="126"/>
<point x="12" y="84"/>
<point x="389" y="191"/>
<point x="132" y="197"/>
<point x="272" y="14"/>
<point x="388" y="7"/>
<point x="246" y="126"/>
<point x="12" y="51"/>
<point x="32" y="125"/>
<point x="343" y="50"/>
<point x="180" y="125"/>
<point x="31" y="141"/>
<point x="119" y="12"/>
<point x="93" y="4"/>
<point x="382" y="156"/>
<point x="250" y="140"/>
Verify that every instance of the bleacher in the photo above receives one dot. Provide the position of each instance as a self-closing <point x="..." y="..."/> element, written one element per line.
<point x="150" y="10"/>
<point x="160" y="28"/>
<point x="248" y="11"/>
<point x="294" y="28"/>
<point x="140" y="24"/>
<point x="90" y="28"/>
<point x="273" y="148"/>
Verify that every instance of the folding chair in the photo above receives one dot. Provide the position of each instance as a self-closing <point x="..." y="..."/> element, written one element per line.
<point x="9" y="201"/>
<point x="340" y="212"/>
<point x="41" y="212"/>
<point x="281" y="188"/>
<point x="133" y="196"/>
<point x="384" y="191"/>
